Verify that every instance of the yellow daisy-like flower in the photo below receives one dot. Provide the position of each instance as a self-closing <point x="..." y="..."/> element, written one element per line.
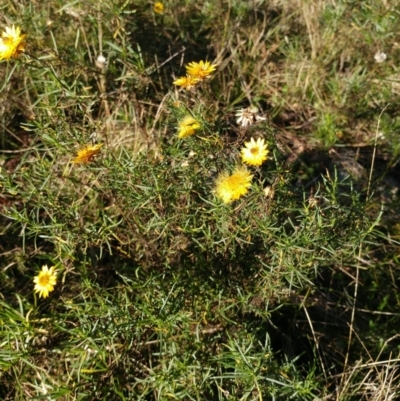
<point x="12" y="43"/>
<point x="45" y="281"/>
<point x="187" y="82"/>
<point x="254" y="152"/>
<point x="232" y="187"/>
<point x="158" y="7"/>
<point x="187" y="127"/>
<point x="87" y="154"/>
<point x="200" y="70"/>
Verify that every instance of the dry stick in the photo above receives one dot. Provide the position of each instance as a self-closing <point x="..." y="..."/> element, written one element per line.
<point x="102" y="77"/>
<point x="313" y="333"/>
<point x="353" y="310"/>
<point x="374" y="152"/>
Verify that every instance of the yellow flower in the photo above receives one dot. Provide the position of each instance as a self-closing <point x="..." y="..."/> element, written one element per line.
<point x="45" y="281"/>
<point x="87" y="154"/>
<point x="200" y="70"/>
<point x="158" y="7"/>
<point x="11" y="43"/>
<point x="187" y="127"/>
<point x="232" y="187"/>
<point x="187" y="82"/>
<point x="254" y="152"/>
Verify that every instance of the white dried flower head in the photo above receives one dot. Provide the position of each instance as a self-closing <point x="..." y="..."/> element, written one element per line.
<point x="380" y="57"/>
<point x="269" y="192"/>
<point x="313" y="202"/>
<point x="101" y="62"/>
<point x="246" y="117"/>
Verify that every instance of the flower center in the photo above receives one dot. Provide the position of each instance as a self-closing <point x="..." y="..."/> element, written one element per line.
<point x="44" y="280"/>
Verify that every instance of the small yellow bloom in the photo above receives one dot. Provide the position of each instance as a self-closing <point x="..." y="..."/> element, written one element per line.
<point x="254" y="152"/>
<point x="200" y="70"/>
<point x="158" y="7"/>
<point x="45" y="281"/>
<point x="187" y="82"/>
<point x="12" y="43"/>
<point x="87" y="154"/>
<point x="187" y="127"/>
<point x="232" y="187"/>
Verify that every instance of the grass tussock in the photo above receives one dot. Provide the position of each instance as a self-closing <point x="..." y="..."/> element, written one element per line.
<point x="199" y="200"/>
